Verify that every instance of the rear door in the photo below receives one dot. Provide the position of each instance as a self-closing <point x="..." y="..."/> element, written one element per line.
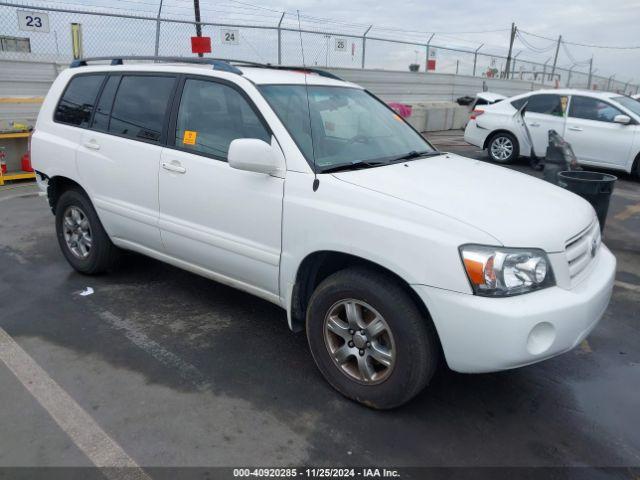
<point x="212" y="216"/>
<point x="119" y="157"/>
<point x="544" y="112"/>
<point x="594" y="136"/>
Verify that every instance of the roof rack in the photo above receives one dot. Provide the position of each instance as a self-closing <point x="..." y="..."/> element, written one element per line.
<point x="222" y="64"/>
<point x="217" y="63"/>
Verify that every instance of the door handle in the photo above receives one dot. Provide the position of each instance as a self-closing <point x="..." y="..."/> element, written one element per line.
<point x="174" y="167"/>
<point x="575" y="129"/>
<point x="92" y="144"/>
<point x="534" y="124"/>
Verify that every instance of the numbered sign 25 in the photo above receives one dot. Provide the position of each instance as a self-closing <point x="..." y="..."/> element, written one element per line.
<point x="341" y="45"/>
<point x="229" y="36"/>
<point x="33" y="21"/>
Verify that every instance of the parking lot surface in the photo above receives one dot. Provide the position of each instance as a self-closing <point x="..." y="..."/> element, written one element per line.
<point x="175" y="370"/>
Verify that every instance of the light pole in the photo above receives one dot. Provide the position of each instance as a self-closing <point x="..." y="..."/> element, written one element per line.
<point x="475" y="58"/>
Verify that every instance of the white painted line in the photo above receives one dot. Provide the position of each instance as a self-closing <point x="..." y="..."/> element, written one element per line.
<point x="94" y="442"/>
<point x="629" y="286"/>
<point x="157" y="351"/>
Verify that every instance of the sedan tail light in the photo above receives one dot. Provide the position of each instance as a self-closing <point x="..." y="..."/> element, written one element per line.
<point x="475" y="114"/>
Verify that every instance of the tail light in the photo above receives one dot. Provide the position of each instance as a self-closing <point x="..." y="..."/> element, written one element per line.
<point x="475" y="114"/>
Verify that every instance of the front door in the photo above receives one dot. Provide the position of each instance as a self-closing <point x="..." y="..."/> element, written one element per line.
<point x="595" y="137"/>
<point x="212" y="216"/>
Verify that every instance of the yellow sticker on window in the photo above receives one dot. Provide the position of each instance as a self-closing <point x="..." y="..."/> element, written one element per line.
<point x="189" y="137"/>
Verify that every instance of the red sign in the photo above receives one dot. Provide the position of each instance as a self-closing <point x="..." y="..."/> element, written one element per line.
<point x="431" y="64"/>
<point x="201" y="44"/>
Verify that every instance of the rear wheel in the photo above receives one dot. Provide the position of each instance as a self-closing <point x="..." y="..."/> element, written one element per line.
<point x="82" y="239"/>
<point x="369" y="339"/>
<point x="503" y="148"/>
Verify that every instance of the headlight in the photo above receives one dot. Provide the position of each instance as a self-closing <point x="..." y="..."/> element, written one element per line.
<point x="500" y="272"/>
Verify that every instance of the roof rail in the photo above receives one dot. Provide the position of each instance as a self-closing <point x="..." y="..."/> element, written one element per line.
<point x="217" y="63"/>
<point x="223" y="64"/>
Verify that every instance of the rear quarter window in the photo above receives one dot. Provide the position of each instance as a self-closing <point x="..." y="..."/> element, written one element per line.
<point x="78" y="100"/>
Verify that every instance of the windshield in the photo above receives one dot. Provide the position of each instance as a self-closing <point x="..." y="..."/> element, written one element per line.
<point x="348" y="126"/>
<point x="630" y="103"/>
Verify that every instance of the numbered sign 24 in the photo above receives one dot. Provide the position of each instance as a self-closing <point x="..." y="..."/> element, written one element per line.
<point x="229" y="36"/>
<point x="33" y="21"/>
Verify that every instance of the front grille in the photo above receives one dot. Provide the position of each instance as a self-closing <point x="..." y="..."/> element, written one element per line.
<point x="581" y="249"/>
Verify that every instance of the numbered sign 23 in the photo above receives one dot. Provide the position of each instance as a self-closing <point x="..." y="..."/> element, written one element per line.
<point x="230" y="36"/>
<point x="33" y="21"/>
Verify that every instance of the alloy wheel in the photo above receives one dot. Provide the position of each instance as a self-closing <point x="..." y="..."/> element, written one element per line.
<point x="359" y="341"/>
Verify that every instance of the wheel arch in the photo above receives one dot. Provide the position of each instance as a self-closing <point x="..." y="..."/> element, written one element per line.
<point x="59" y="184"/>
<point x="496" y="132"/>
<point x="317" y="266"/>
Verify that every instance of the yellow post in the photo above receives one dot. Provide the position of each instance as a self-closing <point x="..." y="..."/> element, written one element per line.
<point x="76" y="40"/>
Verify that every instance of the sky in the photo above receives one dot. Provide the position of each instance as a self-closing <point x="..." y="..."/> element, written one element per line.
<point x="457" y="24"/>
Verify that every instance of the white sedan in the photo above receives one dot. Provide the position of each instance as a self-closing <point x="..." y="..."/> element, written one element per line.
<point x="603" y="128"/>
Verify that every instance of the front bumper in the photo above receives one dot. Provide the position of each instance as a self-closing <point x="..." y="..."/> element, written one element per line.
<point x="480" y="334"/>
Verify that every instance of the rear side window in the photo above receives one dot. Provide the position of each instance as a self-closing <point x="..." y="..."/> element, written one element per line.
<point x="592" y="109"/>
<point x="77" y="102"/>
<point x="548" y="104"/>
<point x="212" y="115"/>
<point x="517" y="104"/>
<point x="103" y="109"/>
<point x="140" y="107"/>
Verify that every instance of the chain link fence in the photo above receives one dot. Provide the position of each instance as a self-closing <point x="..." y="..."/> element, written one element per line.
<point x="111" y="34"/>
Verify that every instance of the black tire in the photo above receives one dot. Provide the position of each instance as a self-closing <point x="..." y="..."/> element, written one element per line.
<point x="414" y="337"/>
<point x="635" y="169"/>
<point x="507" y="140"/>
<point x="102" y="254"/>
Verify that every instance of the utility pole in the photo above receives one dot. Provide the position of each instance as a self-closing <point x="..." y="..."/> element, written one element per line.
<point x="196" y="11"/>
<point x="555" y="58"/>
<point x="511" y="40"/>
<point x="158" y="29"/>
<point x="590" y="73"/>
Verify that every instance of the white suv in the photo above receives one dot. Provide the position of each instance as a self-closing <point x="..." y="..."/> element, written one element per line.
<point x="603" y="128"/>
<point x="309" y="192"/>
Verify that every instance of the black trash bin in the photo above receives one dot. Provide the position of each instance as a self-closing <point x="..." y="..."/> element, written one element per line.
<point x="594" y="187"/>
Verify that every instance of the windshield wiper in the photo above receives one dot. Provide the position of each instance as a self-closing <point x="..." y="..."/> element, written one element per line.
<point x="352" y="166"/>
<point x="412" y="155"/>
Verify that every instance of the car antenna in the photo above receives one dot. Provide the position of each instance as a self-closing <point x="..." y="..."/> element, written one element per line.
<point x="316" y="182"/>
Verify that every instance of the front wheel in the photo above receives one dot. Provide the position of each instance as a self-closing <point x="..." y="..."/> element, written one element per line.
<point x="369" y="339"/>
<point x="503" y="148"/>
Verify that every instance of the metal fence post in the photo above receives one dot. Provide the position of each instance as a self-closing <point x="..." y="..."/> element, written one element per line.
<point x="280" y="40"/>
<point x="157" y="47"/>
<point x="428" y="49"/>
<point x="475" y="58"/>
<point x="590" y="73"/>
<point x="364" y="44"/>
<point x="544" y="69"/>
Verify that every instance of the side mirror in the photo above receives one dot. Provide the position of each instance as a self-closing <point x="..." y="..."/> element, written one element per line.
<point x="622" y="119"/>
<point x="254" y="155"/>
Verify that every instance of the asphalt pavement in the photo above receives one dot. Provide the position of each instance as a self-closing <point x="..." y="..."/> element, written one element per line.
<point x="158" y="367"/>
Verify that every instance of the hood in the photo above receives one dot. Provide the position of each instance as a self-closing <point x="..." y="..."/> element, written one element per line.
<point x="516" y="209"/>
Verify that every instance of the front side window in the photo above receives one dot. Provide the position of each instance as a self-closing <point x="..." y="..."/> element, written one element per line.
<point x="140" y="107"/>
<point x="77" y="102"/>
<point x="590" y="108"/>
<point x="549" y="104"/>
<point x="212" y="115"/>
<point x="338" y="125"/>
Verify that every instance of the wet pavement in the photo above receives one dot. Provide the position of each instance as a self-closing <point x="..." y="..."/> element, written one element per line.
<point x="181" y="371"/>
